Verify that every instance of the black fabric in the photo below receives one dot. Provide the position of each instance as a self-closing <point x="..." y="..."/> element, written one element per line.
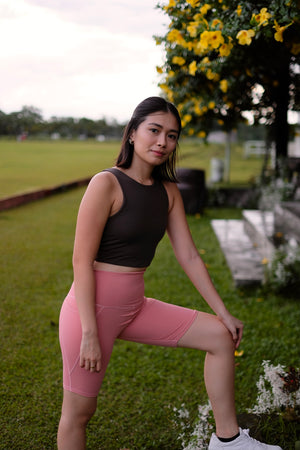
<point x="229" y="439"/>
<point x="131" y="235"/>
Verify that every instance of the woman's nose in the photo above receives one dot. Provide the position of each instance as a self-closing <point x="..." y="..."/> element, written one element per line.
<point x="161" y="140"/>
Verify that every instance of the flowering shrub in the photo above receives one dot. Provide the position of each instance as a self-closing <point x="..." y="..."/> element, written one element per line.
<point x="283" y="272"/>
<point x="197" y="438"/>
<point x="278" y="391"/>
<point x="224" y="57"/>
<point x="273" y="192"/>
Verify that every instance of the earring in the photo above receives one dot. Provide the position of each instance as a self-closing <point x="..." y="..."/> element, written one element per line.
<point x="131" y="142"/>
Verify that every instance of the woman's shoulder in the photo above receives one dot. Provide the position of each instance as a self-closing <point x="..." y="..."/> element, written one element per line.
<point x="103" y="181"/>
<point x="105" y="177"/>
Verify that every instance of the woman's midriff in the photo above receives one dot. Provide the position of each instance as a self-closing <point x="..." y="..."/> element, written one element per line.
<point x="114" y="268"/>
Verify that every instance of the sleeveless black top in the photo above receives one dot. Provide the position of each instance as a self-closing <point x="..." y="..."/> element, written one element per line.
<point x="131" y="235"/>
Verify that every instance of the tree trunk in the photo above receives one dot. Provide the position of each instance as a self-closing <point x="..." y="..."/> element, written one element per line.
<point x="281" y="127"/>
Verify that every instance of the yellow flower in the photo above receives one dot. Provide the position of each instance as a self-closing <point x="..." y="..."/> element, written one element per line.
<point x="193" y="68"/>
<point x="278" y="36"/>
<point x="191" y="132"/>
<point x="186" y="119"/>
<point x="175" y="36"/>
<point x="204" y="39"/>
<point x="265" y="261"/>
<point x="210" y="40"/>
<point x="205" y="8"/>
<point x="238" y="354"/>
<point x="159" y="69"/>
<point x="192" y="29"/>
<point x="262" y="18"/>
<point x="172" y="4"/>
<point x="220" y="122"/>
<point x="210" y="74"/>
<point x="225" y="49"/>
<point x="217" y="22"/>
<point x="211" y="105"/>
<point x="216" y="39"/>
<point x="193" y="3"/>
<point x="198" y="110"/>
<point x="245" y="37"/>
<point x="239" y="10"/>
<point x="178" y="60"/>
<point x="224" y="85"/>
<point x="201" y="134"/>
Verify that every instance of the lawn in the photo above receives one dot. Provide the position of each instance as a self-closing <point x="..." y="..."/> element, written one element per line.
<point x="143" y="383"/>
<point x="31" y="165"/>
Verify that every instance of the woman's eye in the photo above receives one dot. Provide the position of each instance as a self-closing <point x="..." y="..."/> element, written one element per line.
<point x="154" y="130"/>
<point x="173" y="136"/>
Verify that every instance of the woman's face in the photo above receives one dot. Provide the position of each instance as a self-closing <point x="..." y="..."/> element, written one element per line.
<point x="156" y="138"/>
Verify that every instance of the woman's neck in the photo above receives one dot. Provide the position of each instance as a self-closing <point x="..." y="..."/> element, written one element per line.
<point x="142" y="175"/>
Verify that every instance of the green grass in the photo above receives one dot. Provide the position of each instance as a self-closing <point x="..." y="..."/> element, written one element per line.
<point x="31" y="165"/>
<point x="194" y="153"/>
<point x="143" y="383"/>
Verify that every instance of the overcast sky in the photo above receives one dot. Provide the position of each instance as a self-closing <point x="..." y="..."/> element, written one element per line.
<point x="79" y="58"/>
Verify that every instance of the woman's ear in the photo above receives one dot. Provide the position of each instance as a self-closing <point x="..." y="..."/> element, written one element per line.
<point x="132" y="136"/>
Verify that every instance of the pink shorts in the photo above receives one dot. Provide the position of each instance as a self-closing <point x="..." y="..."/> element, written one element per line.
<point x="123" y="312"/>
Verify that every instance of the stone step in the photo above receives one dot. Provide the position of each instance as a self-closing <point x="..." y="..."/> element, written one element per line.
<point x="247" y="243"/>
<point x="243" y="259"/>
<point x="259" y="226"/>
<point x="287" y="220"/>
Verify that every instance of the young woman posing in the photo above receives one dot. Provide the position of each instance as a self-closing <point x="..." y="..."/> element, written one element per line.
<point x="122" y="217"/>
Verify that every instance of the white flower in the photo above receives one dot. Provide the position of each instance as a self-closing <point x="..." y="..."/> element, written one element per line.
<point x="271" y="395"/>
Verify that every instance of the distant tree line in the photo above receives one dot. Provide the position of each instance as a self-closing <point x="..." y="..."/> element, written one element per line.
<point x="29" y="121"/>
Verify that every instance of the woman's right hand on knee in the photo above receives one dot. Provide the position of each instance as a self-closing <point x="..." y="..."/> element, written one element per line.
<point x="90" y="353"/>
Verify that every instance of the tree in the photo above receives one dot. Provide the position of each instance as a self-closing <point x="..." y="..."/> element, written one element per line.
<point x="226" y="57"/>
<point x="29" y="119"/>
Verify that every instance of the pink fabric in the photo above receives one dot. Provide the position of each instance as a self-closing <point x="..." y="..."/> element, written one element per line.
<point x="123" y="312"/>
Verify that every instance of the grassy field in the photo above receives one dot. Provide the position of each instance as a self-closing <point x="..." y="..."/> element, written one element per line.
<point x="30" y="165"/>
<point x="143" y="383"/>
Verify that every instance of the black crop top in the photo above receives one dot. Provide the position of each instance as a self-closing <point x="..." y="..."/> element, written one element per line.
<point x="131" y="235"/>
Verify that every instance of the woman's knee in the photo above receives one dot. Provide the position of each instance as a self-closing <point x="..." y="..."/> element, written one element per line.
<point x="207" y="333"/>
<point x="222" y="338"/>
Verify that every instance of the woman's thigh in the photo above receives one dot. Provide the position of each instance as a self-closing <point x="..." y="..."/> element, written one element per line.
<point x="159" y="323"/>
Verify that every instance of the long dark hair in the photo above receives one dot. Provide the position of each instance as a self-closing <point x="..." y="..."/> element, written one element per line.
<point x="150" y="105"/>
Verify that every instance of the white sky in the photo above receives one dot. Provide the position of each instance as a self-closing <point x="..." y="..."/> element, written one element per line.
<point x="79" y="58"/>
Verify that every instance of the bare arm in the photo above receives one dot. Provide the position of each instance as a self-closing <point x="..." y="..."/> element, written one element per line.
<point x="191" y="262"/>
<point x="94" y="210"/>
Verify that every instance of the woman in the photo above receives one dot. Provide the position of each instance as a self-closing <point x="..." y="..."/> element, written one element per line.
<point x="122" y="217"/>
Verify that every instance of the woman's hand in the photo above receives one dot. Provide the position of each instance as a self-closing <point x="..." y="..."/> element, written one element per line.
<point x="234" y="326"/>
<point x="90" y="353"/>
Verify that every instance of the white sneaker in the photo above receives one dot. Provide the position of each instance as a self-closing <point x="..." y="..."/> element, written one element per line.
<point x="243" y="442"/>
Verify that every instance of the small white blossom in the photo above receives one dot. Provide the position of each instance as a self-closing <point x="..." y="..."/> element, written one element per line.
<point x="271" y="395"/>
<point x="200" y="435"/>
